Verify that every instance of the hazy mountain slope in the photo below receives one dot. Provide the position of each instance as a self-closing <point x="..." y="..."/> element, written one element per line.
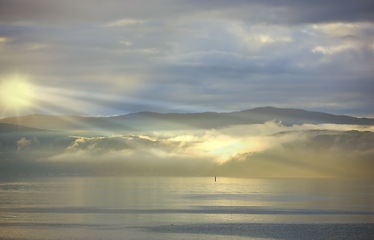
<point x="144" y="121"/>
<point x="291" y="116"/>
<point x="10" y="128"/>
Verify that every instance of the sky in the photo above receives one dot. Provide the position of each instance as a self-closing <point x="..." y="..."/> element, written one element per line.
<point x="99" y="58"/>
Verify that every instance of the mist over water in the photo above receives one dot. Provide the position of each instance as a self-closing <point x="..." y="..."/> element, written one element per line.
<point x="185" y="208"/>
<point x="255" y="150"/>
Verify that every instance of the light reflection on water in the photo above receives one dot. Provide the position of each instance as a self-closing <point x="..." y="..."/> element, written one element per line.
<point x="89" y="206"/>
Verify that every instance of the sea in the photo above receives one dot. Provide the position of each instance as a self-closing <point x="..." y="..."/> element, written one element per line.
<point x="185" y="208"/>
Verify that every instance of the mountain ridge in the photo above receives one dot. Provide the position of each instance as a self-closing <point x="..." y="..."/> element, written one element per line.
<point x="10" y="128"/>
<point x="148" y="120"/>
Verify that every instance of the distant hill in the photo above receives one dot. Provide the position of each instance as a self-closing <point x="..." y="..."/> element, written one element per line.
<point x="10" y="128"/>
<point x="152" y="121"/>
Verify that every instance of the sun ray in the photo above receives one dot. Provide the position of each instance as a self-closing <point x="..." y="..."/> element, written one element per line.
<point x="21" y="98"/>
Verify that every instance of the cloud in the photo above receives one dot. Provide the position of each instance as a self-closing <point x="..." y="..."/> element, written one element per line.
<point x="291" y="11"/>
<point x="124" y="22"/>
<point x="258" y="150"/>
<point x="24" y="142"/>
<point x="299" y="12"/>
<point x="135" y="148"/>
<point x="200" y="56"/>
<point x="316" y="154"/>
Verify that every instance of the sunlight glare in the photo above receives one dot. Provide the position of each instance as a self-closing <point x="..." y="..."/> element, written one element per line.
<point x="17" y="93"/>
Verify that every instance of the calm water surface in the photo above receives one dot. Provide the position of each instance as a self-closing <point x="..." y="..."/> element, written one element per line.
<point x="185" y="208"/>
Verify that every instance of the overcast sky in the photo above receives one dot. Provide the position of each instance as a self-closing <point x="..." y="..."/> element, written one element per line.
<point x="117" y="57"/>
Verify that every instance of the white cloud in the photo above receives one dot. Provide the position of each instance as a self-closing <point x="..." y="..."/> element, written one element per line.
<point x="126" y="43"/>
<point x="260" y="35"/>
<point x="124" y="22"/>
<point x="338" y="29"/>
<point x="340" y="37"/>
<point x="23" y="142"/>
<point x="150" y="50"/>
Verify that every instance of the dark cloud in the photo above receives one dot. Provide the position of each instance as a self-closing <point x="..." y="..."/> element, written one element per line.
<point x="271" y="11"/>
<point x="301" y="12"/>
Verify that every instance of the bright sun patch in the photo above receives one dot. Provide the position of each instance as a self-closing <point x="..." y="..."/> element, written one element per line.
<point x="16" y="93"/>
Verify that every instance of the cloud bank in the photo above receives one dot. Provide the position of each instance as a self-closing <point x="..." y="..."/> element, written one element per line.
<point x="258" y="150"/>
